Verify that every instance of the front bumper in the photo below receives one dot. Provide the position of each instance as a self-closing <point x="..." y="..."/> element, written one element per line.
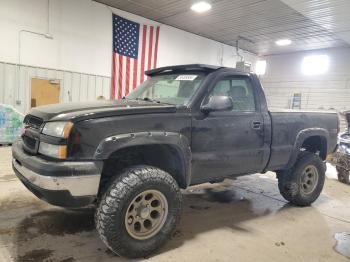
<point x="67" y="183"/>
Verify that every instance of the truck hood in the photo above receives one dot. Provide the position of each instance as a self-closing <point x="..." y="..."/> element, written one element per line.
<point x="86" y="110"/>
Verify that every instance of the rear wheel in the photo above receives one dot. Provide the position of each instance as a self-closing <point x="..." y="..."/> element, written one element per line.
<point x="139" y="211"/>
<point x="302" y="184"/>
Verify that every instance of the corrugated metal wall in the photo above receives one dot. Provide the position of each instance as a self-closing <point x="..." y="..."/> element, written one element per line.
<point x="329" y="90"/>
<point x="325" y="95"/>
<point x="316" y="94"/>
<point x="74" y="86"/>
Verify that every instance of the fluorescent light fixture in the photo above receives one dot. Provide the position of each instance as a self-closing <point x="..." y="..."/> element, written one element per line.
<point x="315" y="64"/>
<point x="283" y="42"/>
<point x="260" y="67"/>
<point x="201" y="6"/>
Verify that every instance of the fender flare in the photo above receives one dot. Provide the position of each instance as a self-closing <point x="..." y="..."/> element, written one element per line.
<point x="301" y="137"/>
<point x="179" y="142"/>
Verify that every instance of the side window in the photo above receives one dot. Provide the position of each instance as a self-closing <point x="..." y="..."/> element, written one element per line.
<point x="221" y="88"/>
<point x="240" y="90"/>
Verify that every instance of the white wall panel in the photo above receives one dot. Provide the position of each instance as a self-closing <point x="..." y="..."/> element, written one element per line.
<point x="74" y="86"/>
<point x="99" y="86"/>
<point x="83" y="87"/>
<point x="330" y="90"/>
<point x="76" y="83"/>
<point x="81" y="31"/>
<point x="106" y="87"/>
<point x="9" y="84"/>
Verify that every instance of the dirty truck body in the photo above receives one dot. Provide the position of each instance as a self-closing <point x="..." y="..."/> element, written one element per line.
<point x="342" y="156"/>
<point x="215" y="124"/>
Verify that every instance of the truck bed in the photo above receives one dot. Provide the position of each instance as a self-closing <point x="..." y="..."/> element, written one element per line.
<point x="288" y="125"/>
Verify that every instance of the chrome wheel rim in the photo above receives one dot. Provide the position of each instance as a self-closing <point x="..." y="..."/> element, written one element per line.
<point x="309" y="179"/>
<point x="146" y="214"/>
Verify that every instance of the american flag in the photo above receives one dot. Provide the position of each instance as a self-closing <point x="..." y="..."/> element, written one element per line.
<point x="135" y="48"/>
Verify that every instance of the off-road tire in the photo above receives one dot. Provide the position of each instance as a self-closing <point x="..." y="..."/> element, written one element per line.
<point x="343" y="175"/>
<point x="290" y="181"/>
<point x="113" y="207"/>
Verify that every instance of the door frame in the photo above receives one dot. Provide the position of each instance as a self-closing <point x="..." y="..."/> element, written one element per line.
<point x="29" y="99"/>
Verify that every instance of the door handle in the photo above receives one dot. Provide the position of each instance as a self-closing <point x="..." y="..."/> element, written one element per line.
<point x="256" y="125"/>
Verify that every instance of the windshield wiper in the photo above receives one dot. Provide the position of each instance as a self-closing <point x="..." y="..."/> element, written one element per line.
<point x="148" y="99"/>
<point x="153" y="100"/>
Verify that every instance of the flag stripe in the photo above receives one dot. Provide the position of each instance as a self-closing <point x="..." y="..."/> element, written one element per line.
<point x="124" y="76"/>
<point x="120" y="82"/>
<point x="139" y="60"/>
<point x="131" y="75"/>
<point x="153" y="46"/>
<point x="134" y="84"/>
<point x="127" y="76"/>
<point x="113" y="75"/>
<point x="156" y="48"/>
<point x="150" y="47"/>
<point x="116" y="94"/>
<point x="144" y="34"/>
<point x="145" y="66"/>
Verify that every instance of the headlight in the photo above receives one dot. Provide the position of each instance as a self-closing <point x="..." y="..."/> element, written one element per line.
<point x="56" y="151"/>
<point x="57" y="129"/>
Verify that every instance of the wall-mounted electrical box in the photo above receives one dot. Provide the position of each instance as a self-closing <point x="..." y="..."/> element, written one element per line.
<point x="244" y="66"/>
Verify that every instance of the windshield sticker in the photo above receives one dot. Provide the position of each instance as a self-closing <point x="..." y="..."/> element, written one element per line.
<point x="186" y="77"/>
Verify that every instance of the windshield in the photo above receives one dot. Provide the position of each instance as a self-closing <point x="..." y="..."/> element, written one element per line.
<point x="176" y="89"/>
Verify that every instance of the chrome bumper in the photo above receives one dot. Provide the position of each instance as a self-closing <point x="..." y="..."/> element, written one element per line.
<point x="82" y="185"/>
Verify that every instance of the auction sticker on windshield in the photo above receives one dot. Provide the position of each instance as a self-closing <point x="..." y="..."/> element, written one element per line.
<point x="186" y="77"/>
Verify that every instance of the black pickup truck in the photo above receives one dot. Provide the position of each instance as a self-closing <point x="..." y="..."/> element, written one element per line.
<point x="185" y="125"/>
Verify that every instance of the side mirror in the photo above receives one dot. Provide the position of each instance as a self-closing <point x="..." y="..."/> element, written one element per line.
<point x="218" y="103"/>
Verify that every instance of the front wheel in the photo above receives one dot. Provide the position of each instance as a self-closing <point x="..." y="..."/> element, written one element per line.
<point x="139" y="211"/>
<point x="302" y="184"/>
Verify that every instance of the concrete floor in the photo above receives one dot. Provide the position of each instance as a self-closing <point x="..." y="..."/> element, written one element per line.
<point x="242" y="220"/>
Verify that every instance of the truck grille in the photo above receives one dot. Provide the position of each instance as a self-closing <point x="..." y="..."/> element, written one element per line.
<point x="31" y="134"/>
<point x="33" y="121"/>
<point x="29" y="142"/>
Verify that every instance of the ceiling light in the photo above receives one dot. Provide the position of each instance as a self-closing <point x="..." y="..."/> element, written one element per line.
<point x="283" y="42"/>
<point x="201" y="6"/>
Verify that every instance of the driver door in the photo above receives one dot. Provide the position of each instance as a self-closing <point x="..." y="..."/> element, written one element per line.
<point x="226" y="143"/>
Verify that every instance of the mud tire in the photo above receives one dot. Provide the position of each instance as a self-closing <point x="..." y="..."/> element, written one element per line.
<point x="290" y="181"/>
<point x="112" y="209"/>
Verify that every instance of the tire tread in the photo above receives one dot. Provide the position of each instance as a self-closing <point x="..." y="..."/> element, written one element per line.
<point x="109" y="209"/>
<point x="287" y="180"/>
